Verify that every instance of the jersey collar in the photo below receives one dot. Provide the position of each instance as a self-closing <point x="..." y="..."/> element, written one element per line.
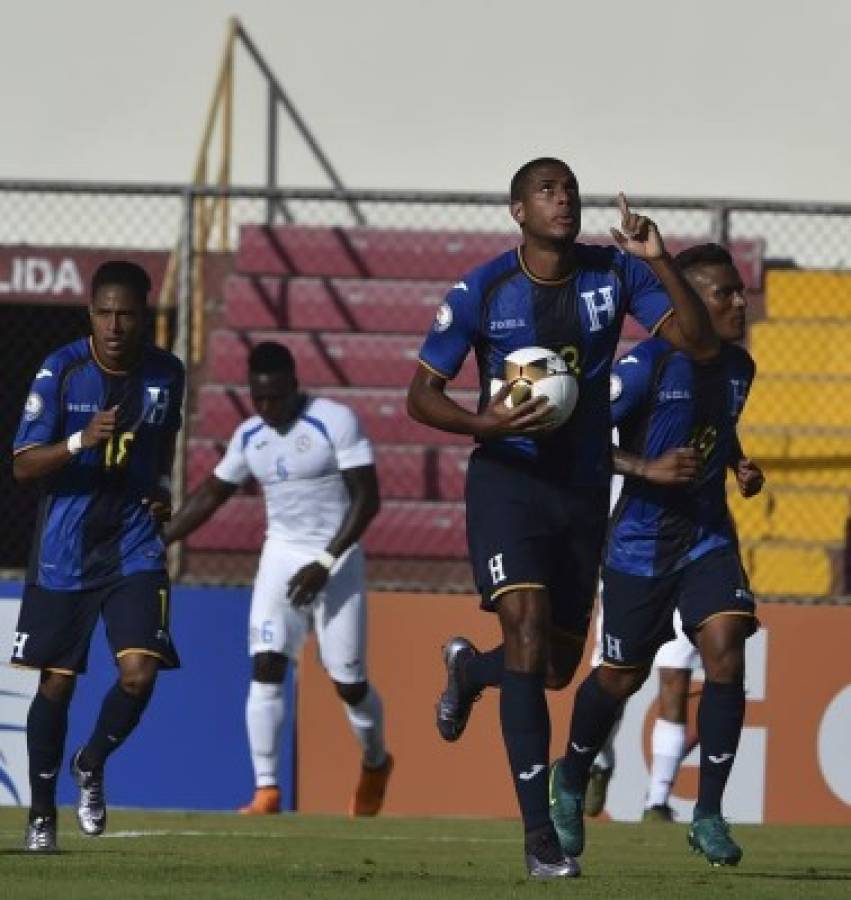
<point x="549" y="282"/>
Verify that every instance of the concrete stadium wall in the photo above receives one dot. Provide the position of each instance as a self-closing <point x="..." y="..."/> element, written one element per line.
<point x="792" y="765"/>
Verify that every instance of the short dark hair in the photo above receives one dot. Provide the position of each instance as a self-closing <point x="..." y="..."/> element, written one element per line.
<point x="703" y="255"/>
<point x="125" y="273"/>
<point x="269" y="357"/>
<point x="520" y="179"/>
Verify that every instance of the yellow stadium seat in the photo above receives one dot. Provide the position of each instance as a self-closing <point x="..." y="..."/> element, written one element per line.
<point x="809" y="475"/>
<point x="809" y="515"/>
<point x="801" y="348"/>
<point x="798" y="401"/>
<point x="793" y="294"/>
<point x="789" y="569"/>
<point x="750" y="515"/>
<point x="764" y="443"/>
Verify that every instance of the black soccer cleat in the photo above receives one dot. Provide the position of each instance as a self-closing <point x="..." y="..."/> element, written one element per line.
<point x="91" y="807"/>
<point x="40" y="836"/>
<point x="455" y="703"/>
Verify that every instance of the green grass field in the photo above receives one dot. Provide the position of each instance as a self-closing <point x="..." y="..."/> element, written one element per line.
<point x="183" y="855"/>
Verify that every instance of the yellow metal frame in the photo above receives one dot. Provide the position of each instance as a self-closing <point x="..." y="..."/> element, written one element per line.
<point x="208" y="212"/>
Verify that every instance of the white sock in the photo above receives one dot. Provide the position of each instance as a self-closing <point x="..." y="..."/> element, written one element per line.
<point x="669" y="742"/>
<point x="367" y="721"/>
<point x="264" y="716"/>
<point x="605" y="758"/>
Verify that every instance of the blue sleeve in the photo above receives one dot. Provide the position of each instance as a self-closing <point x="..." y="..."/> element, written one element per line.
<point x="630" y="383"/>
<point x="40" y="419"/>
<point x="453" y="332"/>
<point x="648" y="300"/>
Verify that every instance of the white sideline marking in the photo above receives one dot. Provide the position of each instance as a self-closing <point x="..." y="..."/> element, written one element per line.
<point x="434" y="839"/>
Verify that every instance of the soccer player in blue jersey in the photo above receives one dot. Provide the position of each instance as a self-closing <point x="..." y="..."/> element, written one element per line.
<point x="537" y="496"/>
<point x="672" y="544"/>
<point x="98" y="430"/>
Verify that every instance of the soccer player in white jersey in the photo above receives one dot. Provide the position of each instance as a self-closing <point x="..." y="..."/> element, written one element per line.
<point x="317" y="472"/>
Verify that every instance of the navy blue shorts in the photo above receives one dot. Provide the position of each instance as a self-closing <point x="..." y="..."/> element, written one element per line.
<point x="55" y="627"/>
<point x="638" y="610"/>
<point x="526" y="531"/>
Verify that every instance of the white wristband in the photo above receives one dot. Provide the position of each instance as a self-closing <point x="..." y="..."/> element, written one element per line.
<point x="75" y="443"/>
<point x="326" y="560"/>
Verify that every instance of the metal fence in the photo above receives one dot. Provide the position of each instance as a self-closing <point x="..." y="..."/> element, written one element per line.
<point x="353" y="301"/>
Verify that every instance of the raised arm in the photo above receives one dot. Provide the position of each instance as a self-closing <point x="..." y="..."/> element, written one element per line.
<point x="689" y="328"/>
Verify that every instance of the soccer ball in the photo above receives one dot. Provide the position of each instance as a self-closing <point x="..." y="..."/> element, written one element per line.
<point x="539" y="372"/>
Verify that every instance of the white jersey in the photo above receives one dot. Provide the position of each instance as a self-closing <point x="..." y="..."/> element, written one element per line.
<point x="299" y="470"/>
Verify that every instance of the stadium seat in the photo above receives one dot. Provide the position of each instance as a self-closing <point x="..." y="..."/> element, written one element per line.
<point x="750" y="514"/>
<point x="809" y="515"/>
<point x="403" y="529"/>
<point x="381" y="412"/>
<point x="348" y="360"/>
<point x="794" y="294"/>
<point x="342" y="304"/>
<point x="797" y="570"/>
<point x="332" y="304"/>
<point x="389" y="253"/>
<point x="790" y="347"/>
<point x="402" y="472"/>
<point x="202" y="456"/>
<point x="798" y="401"/>
<point x="452" y="472"/>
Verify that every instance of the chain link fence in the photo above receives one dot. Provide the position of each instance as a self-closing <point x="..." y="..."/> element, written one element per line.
<point x="351" y="282"/>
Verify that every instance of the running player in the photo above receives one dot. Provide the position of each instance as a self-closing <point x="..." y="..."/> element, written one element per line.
<point x="98" y="429"/>
<point x="318" y="477"/>
<point x="537" y="497"/>
<point x="674" y="546"/>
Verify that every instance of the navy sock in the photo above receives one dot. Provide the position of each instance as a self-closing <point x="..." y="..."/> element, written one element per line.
<point x="484" y="670"/>
<point x="595" y="711"/>
<point x="526" y="731"/>
<point x="720" y="717"/>
<point x="119" y="715"/>
<point x="47" y="725"/>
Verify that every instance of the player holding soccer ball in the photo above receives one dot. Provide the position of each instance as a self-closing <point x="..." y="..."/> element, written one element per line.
<point x="537" y="495"/>
<point x="672" y="544"/>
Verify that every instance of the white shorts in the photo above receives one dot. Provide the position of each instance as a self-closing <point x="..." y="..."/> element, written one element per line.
<point x="338" y="614"/>
<point x="679" y="653"/>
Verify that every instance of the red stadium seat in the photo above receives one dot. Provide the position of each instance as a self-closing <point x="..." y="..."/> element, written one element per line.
<point x="388" y="253"/>
<point x="411" y="529"/>
<point x="332" y="304"/>
<point x="381" y="412"/>
<point x="202" y="456"/>
<point x="330" y="359"/>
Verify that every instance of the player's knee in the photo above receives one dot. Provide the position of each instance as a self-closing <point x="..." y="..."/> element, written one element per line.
<point x="726" y="666"/>
<point x="269" y="668"/>
<point x="137" y="674"/>
<point x="57" y="686"/>
<point x="351" y="694"/>
<point x="621" y="683"/>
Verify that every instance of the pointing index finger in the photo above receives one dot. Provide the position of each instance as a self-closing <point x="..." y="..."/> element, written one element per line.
<point x="623" y="206"/>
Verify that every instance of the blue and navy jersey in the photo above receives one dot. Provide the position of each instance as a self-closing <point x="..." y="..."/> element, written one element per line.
<point x="662" y="399"/>
<point x="91" y="526"/>
<point x="501" y="307"/>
